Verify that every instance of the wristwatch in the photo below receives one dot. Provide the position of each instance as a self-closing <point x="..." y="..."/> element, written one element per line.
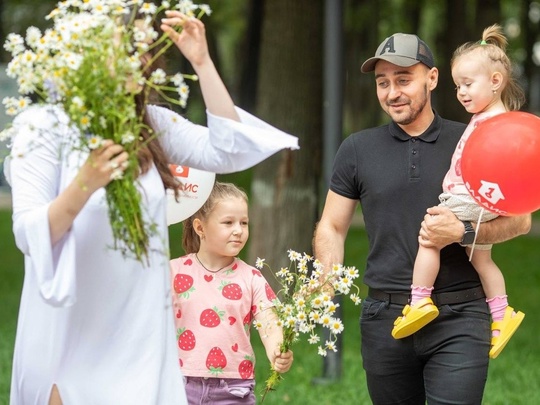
<point x="469" y="235"/>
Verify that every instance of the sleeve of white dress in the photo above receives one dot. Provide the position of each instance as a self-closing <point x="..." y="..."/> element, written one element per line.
<point x="225" y="146"/>
<point x="34" y="170"/>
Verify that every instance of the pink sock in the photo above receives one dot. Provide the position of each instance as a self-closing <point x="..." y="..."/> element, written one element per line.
<point x="497" y="307"/>
<point x="417" y="293"/>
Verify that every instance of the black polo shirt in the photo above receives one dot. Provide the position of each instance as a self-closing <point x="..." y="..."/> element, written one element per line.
<point x="396" y="177"/>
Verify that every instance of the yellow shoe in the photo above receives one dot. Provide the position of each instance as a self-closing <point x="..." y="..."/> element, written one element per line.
<point x="507" y="327"/>
<point x="414" y="318"/>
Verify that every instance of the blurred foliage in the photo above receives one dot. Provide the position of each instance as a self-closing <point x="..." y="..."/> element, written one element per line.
<point x="441" y="23"/>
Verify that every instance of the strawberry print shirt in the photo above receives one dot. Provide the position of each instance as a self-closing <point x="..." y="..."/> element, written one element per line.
<point x="213" y="314"/>
<point x="453" y="181"/>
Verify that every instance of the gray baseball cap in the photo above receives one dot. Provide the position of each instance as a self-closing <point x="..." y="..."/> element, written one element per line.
<point x="402" y="50"/>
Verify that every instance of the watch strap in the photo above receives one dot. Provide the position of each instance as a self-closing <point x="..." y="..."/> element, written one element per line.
<point x="469" y="234"/>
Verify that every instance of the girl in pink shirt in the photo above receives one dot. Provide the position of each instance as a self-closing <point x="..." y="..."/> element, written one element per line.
<point x="482" y="73"/>
<point x="215" y="296"/>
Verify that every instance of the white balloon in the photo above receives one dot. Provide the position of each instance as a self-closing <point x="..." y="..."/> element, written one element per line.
<point x="195" y="188"/>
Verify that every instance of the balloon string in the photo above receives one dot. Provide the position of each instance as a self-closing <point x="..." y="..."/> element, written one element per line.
<point x="476" y="233"/>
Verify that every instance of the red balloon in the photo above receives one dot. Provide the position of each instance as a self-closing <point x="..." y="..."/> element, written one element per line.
<point x="501" y="163"/>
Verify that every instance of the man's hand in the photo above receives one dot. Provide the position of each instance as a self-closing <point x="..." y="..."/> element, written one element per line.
<point x="440" y="228"/>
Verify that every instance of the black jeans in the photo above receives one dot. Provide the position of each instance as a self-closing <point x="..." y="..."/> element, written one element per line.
<point x="446" y="362"/>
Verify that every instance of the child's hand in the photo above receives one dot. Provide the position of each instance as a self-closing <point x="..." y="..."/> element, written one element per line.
<point x="282" y="361"/>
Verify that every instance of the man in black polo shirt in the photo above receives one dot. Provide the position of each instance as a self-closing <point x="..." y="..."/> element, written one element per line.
<point x="396" y="171"/>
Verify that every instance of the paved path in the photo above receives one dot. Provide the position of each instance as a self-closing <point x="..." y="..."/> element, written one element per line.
<point x="5" y="199"/>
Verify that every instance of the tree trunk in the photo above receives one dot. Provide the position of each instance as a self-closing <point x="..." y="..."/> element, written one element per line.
<point x="284" y="200"/>
<point x="488" y="12"/>
<point x="4" y="56"/>
<point x="362" y="36"/>
<point x="455" y="34"/>
<point x="530" y="78"/>
<point x="249" y="56"/>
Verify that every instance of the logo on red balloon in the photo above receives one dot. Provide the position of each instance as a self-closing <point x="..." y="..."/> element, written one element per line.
<point x="490" y="191"/>
<point x="501" y="163"/>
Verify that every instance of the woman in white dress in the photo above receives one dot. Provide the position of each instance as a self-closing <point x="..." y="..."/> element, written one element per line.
<point x="95" y="327"/>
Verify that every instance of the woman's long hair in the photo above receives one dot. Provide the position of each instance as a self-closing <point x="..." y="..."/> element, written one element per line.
<point x="151" y="150"/>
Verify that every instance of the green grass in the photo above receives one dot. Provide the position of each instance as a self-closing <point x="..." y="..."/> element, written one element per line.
<point x="514" y="377"/>
<point x="11" y="274"/>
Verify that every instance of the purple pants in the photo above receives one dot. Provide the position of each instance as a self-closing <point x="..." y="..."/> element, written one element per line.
<point x="219" y="391"/>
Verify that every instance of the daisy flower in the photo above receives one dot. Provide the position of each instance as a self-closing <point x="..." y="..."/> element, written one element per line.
<point x="88" y="63"/>
<point x="95" y="142"/>
<point x="305" y="306"/>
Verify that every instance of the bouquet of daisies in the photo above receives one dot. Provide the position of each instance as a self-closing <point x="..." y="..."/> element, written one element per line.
<point x="92" y="63"/>
<point x="306" y="303"/>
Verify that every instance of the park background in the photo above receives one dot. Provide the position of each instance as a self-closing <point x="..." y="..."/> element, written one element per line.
<point x="296" y="65"/>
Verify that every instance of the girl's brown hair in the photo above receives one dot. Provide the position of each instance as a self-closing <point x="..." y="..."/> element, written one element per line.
<point x="493" y="47"/>
<point x="191" y="242"/>
<point x="151" y="150"/>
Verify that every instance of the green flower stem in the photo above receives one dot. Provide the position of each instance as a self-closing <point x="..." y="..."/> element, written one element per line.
<point x="126" y="218"/>
<point x="164" y="95"/>
<point x="164" y="49"/>
<point x="201" y="13"/>
<point x="275" y="377"/>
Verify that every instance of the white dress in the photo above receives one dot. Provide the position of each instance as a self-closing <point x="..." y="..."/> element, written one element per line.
<point x="97" y="325"/>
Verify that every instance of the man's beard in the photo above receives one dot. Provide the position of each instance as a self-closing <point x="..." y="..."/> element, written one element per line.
<point x="415" y="112"/>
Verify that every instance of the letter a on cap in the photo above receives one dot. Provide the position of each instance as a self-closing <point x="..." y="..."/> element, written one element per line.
<point x="389" y="45"/>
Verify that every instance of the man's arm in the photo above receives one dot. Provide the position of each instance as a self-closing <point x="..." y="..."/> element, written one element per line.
<point x="332" y="229"/>
<point x="502" y="229"/>
<point x="441" y="227"/>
